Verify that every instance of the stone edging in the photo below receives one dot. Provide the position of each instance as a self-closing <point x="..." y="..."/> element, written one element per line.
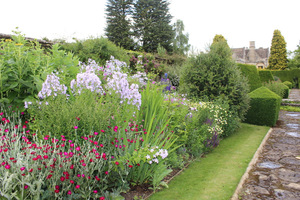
<point x="239" y="188"/>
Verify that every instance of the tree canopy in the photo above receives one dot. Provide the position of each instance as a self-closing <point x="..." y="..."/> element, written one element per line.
<point x="278" y="58"/>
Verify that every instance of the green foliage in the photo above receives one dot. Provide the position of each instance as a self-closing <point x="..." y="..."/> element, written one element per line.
<point x="214" y="75"/>
<point x="24" y="66"/>
<point x="264" y="107"/>
<point x="181" y="41"/>
<point x="118" y="23"/>
<point x="265" y="76"/>
<point x="292" y="76"/>
<point x="290" y="108"/>
<point x="278" y="58"/>
<point x="98" y="49"/>
<point x="219" y="38"/>
<point x="250" y="71"/>
<point x="277" y="87"/>
<point x="294" y="62"/>
<point x="289" y="84"/>
<point x="152" y="24"/>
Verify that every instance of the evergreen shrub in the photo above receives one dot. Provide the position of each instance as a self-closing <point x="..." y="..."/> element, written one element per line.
<point x="266" y="76"/>
<point x="265" y="106"/>
<point x="250" y="71"/>
<point x="278" y="88"/>
<point x="288" y="83"/>
<point x="215" y="75"/>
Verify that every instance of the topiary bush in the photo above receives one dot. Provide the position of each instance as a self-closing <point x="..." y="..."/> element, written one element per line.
<point x="265" y="76"/>
<point x="215" y="75"/>
<point x="288" y="83"/>
<point x="250" y="71"/>
<point x="264" y="107"/>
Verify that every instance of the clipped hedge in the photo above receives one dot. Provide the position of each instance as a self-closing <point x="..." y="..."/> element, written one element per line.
<point x="292" y="76"/>
<point x="250" y="71"/>
<point x="265" y="106"/>
<point x="289" y="84"/>
<point x="286" y="91"/>
<point x="265" y="76"/>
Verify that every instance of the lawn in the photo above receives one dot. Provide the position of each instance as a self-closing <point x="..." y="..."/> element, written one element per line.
<point x="217" y="175"/>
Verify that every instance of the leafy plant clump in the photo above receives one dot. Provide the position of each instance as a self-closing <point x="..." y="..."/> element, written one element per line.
<point x="215" y="75"/>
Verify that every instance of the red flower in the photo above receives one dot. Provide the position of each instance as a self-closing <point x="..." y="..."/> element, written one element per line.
<point x="130" y="166"/>
<point x="49" y="176"/>
<point x="56" y="191"/>
<point x="69" y="192"/>
<point x="77" y="186"/>
<point x="71" y="181"/>
<point x="117" y="163"/>
<point x="102" y="198"/>
<point x="62" y="179"/>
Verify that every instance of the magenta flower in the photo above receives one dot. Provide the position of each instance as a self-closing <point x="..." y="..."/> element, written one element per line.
<point x="77" y="148"/>
<point x="22" y="168"/>
<point x="69" y="192"/>
<point x="25" y="187"/>
<point x="77" y="186"/>
<point x="95" y="191"/>
<point x="75" y="127"/>
<point x="7" y="166"/>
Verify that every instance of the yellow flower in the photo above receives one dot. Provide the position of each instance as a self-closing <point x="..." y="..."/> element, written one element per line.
<point x="19" y="44"/>
<point x="8" y="40"/>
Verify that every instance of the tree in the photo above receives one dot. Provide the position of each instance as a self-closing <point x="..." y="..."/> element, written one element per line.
<point x="294" y="62"/>
<point x="278" y="58"/>
<point x="152" y="24"/>
<point x="215" y="75"/>
<point x="118" y="28"/>
<point x="219" y="38"/>
<point x="181" y="41"/>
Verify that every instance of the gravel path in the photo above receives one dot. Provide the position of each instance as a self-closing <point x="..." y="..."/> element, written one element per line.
<point x="276" y="174"/>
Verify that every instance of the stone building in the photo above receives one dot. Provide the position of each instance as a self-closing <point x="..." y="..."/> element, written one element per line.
<point x="258" y="57"/>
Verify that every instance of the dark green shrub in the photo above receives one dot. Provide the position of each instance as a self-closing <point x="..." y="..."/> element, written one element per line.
<point x="98" y="49"/>
<point x="286" y="91"/>
<point x="288" y="83"/>
<point x="265" y="76"/>
<point x="250" y="71"/>
<point x="292" y="76"/>
<point x="265" y="106"/>
<point x="215" y="75"/>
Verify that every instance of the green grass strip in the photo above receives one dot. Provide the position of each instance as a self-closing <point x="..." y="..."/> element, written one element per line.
<point x="290" y="108"/>
<point x="216" y="176"/>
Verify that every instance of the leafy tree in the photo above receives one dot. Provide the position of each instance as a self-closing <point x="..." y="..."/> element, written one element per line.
<point x="181" y="41"/>
<point x="152" y="24"/>
<point x="118" y="28"/>
<point x="220" y="38"/>
<point x="294" y="62"/>
<point x="278" y="58"/>
<point x="215" y="75"/>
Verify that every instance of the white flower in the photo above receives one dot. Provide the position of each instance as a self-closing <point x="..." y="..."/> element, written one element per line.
<point x="148" y="156"/>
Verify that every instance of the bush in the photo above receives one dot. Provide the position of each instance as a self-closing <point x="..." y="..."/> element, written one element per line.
<point x="288" y="83"/>
<point x="25" y="65"/>
<point x="265" y="106"/>
<point x="292" y="76"/>
<point x="250" y="71"/>
<point x="265" y="76"/>
<point x="98" y="49"/>
<point x="279" y="88"/>
<point x="215" y="75"/>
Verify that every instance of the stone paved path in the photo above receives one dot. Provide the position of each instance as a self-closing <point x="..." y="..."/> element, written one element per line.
<point x="276" y="174"/>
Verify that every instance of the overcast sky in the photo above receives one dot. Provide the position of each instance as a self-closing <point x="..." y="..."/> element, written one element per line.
<point x="239" y="21"/>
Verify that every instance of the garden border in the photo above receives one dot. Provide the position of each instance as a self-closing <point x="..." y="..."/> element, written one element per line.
<point x="239" y="188"/>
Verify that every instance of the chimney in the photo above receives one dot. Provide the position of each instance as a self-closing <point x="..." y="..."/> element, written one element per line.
<point x="252" y="52"/>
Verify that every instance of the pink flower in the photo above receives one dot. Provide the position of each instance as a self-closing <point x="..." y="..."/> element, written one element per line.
<point x="102" y="131"/>
<point x="117" y="163"/>
<point x="77" y="186"/>
<point x="95" y="191"/>
<point x="71" y="181"/>
<point x="106" y="172"/>
<point x="102" y="198"/>
<point x="62" y="179"/>
<point x="57" y="187"/>
<point x="25" y="187"/>
<point x="56" y="191"/>
<point x="69" y="192"/>
<point x="96" y="133"/>
<point x="77" y="148"/>
<point x="7" y="166"/>
<point x="22" y="168"/>
<point x="83" y="164"/>
<point x="75" y="127"/>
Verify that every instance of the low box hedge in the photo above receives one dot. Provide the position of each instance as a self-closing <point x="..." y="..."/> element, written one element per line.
<point x="286" y="91"/>
<point x="264" y="107"/>
<point x="250" y="71"/>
